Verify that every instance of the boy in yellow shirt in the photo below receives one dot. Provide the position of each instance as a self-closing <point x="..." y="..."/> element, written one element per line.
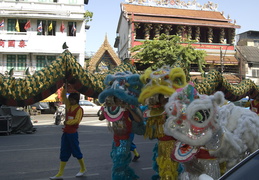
<point x="69" y="140"/>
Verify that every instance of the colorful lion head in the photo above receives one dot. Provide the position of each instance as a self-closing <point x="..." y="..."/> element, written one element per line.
<point x="191" y="117"/>
<point x="160" y="83"/>
<point x="123" y="85"/>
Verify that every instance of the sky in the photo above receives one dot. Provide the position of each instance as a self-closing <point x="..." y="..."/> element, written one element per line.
<point x="106" y="15"/>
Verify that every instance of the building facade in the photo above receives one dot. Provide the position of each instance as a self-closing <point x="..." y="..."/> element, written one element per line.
<point x="248" y="55"/>
<point x="211" y="31"/>
<point x="32" y="33"/>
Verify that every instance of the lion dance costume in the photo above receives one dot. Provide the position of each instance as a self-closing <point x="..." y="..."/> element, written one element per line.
<point x="122" y="89"/>
<point x="159" y="85"/>
<point x="209" y="134"/>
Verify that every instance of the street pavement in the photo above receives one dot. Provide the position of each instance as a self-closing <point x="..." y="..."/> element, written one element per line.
<point x="36" y="156"/>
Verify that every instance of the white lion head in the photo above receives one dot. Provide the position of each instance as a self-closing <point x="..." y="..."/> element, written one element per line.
<point x="192" y="117"/>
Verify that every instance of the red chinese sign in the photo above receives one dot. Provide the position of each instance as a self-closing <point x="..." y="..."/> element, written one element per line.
<point x="1" y="42"/>
<point x="22" y="44"/>
<point x="12" y="43"/>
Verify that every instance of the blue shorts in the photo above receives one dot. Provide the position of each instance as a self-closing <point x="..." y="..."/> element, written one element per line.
<point x="70" y="146"/>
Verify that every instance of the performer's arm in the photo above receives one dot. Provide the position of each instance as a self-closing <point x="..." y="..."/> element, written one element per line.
<point x="101" y="117"/>
<point x="135" y="114"/>
<point x="64" y="97"/>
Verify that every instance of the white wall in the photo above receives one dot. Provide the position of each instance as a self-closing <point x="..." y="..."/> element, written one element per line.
<point x="33" y="10"/>
<point x="125" y="40"/>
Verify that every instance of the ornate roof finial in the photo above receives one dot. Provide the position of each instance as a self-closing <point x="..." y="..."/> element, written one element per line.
<point x="105" y="43"/>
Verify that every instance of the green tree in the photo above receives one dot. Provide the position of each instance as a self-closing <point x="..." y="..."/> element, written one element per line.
<point x="88" y="16"/>
<point x="168" y="50"/>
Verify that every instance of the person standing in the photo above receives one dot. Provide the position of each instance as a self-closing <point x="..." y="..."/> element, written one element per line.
<point x="69" y="139"/>
<point x="253" y="105"/>
<point x="122" y="142"/>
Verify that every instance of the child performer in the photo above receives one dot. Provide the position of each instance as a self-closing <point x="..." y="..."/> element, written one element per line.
<point x="69" y="139"/>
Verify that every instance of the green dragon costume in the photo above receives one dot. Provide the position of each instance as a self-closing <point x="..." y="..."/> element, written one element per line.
<point x="43" y="83"/>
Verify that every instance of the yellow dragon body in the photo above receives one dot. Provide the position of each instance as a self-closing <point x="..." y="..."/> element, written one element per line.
<point x="43" y="83"/>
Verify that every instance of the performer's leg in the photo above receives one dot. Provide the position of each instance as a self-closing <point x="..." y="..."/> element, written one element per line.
<point x="82" y="168"/>
<point x="65" y="154"/>
<point x="60" y="172"/>
<point x="121" y="157"/>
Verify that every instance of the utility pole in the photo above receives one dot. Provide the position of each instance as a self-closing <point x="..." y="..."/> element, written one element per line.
<point x="221" y="60"/>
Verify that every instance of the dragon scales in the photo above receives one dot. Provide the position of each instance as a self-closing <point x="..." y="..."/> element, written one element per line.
<point x="43" y="83"/>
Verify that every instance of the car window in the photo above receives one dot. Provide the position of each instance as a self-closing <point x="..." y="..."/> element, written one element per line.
<point x="247" y="169"/>
<point x="85" y="103"/>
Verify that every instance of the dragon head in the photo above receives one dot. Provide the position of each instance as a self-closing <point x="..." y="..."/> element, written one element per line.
<point x="192" y="117"/>
<point x="125" y="86"/>
<point x="159" y="85"/>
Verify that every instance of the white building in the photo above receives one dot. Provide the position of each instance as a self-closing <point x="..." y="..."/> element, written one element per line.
<point x="41" y="42"/>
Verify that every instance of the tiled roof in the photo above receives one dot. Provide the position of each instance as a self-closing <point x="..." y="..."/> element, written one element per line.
<point x="250" y="53"/>
<point x="105" y="53"/>
<point x="227" y="60"/>
<point x="142" y="13"/>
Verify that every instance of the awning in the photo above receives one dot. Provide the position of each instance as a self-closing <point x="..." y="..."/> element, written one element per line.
<point x="51" y="98"/>
<point x="227" y="60"/>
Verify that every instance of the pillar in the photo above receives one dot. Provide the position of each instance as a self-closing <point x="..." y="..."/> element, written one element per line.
<point x="197" y="34"/>
<point x="222" y="35"/>
<point x="210" y="35"/>
<point x="167" y="29"/>
<point x="158" y="28"/>
<point x="147" y="29"/>
<point x="189" y="32"/>
<point x="232" y="36"/>
<point x="136" y="26"/>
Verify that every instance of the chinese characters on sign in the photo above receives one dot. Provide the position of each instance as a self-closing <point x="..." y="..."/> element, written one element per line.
<point x="22" y="44"/>
<point x="1" y="43"/>
<point x="12" y="43"/>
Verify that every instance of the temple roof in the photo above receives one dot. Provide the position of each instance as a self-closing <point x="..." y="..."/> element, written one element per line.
<point x="165" y="15"/>
<point x="104" y="54"/>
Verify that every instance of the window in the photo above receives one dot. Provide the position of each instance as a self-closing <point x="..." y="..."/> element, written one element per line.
<point x="46" y="28"/>
<point x="71" y="28"/>
<point x="40" y="62"/>
<point x="11" y="59"/>
<point x="12" y="23"/>
<point x="21" y="62"/>
<point x="43" y="61"/>
<point x="255" y="72"/>
<point x="50" y="59"/>
<point x="18" y="62"/>
<point x="256" y="43"/>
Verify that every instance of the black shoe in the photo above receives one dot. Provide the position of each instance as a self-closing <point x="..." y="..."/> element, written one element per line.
<point x="135" y="158"/>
